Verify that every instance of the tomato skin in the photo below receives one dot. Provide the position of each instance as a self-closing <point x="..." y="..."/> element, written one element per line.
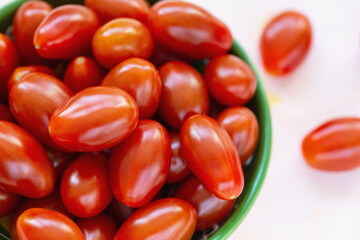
<point x="334" y="145"/>
<point x="200" y="36"/>
<point x="178" y="167"/>
<point x="83" y="72"/>
<point x="24" y="167"/>
<point x="5" y="113"/>
<point x="110" y="9"/>
<point x="210" y="209"/>
<point x="85" y="188"/>
<point x="242" y="126"/>
<point x="66" y="32"/>
<point x="183" y="94"/>
<point x="39" y="223"/>
<point x="136" y="162"/>
<point x="120" y="39"/>
<point x="8" y="202"/>
<point x="32" y="104"/>
<point x="100" y="227"/>
<point x="162" y="55"/>
<point x="26" y="20"/>
<point x="141" y="80"/>
<point x="218" y="166"/>
<point x="119" y="212"/>
<point x="96" y="125"/>
<point x="168" y="218"/>
<point x="9" y="60"/>
<point x="285" y="42"/>
<point x="230" y="80"/>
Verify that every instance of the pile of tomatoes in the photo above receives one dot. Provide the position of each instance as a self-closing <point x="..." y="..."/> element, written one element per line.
<point x="130" y="141"/>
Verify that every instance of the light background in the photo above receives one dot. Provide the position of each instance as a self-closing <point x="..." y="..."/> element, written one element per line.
<point x="297" y="202"/>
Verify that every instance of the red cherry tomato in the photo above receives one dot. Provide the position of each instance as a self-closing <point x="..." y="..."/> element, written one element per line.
<point x="118" y="211"/>
<point x="5" y="113"/>
<point x="230" y="80"/>
<point x="168" y="218"/>
<point x="334" y="145"/>
<point x="83" y="72"/>
<point x="212" y="156"/>
<point x="85" y="188"/>
<point x="189" y="29"/>
<point x="210" y="209"/>
<point x="285" y="42"/>
<point x="178" y="168"/>
<point x="8" y="202"/>
<point x="21" y="71"/>
<point x="184" y="93"/>
<point x="39" y="224"/>
<point x="24" y="167"/>
<point x="139" y="166"/>
<point x="34" y="99"/>
<point x="121" y="39"/>
<point x="141" y="80"/>
<point x="243" y="127"/>
<point x="9" y="60"/>
<point x="94" y="119"/>
<point x="110" y="9"/>
<point x="66" y="32"/>
<point x="26" y="20"/>
<point x="100" y="227"/>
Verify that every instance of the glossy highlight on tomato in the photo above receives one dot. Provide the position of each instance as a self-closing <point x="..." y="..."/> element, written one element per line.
<point x="100" y="227"/>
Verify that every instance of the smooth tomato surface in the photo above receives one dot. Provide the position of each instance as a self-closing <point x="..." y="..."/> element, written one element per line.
<point x="94" y="119"/>
<point x="100" y="227"/>
<point x="141" y="80"/>
<point x="285" y="42"/>
<point x="5" y="113"/>
<point x="168" y="218"/>
<point x="139" y="166"/>
<point x="212" y="156"/>
<point x="8" y="202"/>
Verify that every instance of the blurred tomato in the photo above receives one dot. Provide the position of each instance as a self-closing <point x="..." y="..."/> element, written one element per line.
<point x="168" y="218"/>
<point x="118" y="211"/>
<point x="121" y="39"/>
<point x="8" y="202"/>
<point x="66" y="32"/>
<point x="100" y="227"/>
<point x="94" y="119"/>
<point x="162" y="55"/>
<point x="85" y="188"/>
<point x="141" y="80"/>
<point x="334" y="145"/>
<point x="139" y="166"/>
<point x="183" y="94"/>
<point x="26" y="20"/>
<point x="24" y="167"/>
<point x="285" y="42"/>
<point x="5" y="113"/>
<point x="242" y="126"/>
<point x="83" y="72"/>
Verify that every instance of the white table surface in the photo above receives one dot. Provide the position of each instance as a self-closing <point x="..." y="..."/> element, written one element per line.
<point x="297" y="202"/>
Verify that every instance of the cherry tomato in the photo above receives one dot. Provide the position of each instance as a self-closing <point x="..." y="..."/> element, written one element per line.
<point x="110" y="9"/>
<point x="66" y="32"/>
<point x="9" y="60"/>
<point x="39" y="224"/>
<point x="184" y="93"/>
<point x="210" y="209"/>
<point x="100" y="227"/>
<point x="334" y="145"/>
<point x="118" y="211"/>
<point x="34" y="99"/>
<point x="243" y="127"/>
<point x="178" y="168"/>
<point x="230" y="80"/>
<point x="26" y="20"/>
<point x="85" y="188"/>
<point x="212" y="156"/>
<point x="24" y="167"/>
<point x="189" y="29"/>
<point x="94" y="119"/>
<point x="8" y="202"/>
<point x="83" y="72"/>
<point x="168" y="218"/>
<point x="120" y="39"/>
<point x="139" y="166"/>
<point x="285" y="42"/>
<point x="5" y="113"/>
<point x="141" y="80"/>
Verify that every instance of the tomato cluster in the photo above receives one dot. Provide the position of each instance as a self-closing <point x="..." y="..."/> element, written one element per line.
<point x="92" y="151"/>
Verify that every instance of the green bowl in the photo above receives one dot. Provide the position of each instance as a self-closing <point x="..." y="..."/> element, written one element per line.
<point x="254" y="172"/>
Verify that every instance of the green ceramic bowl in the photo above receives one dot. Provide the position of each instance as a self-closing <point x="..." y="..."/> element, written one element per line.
<point x="254" y="172"/>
